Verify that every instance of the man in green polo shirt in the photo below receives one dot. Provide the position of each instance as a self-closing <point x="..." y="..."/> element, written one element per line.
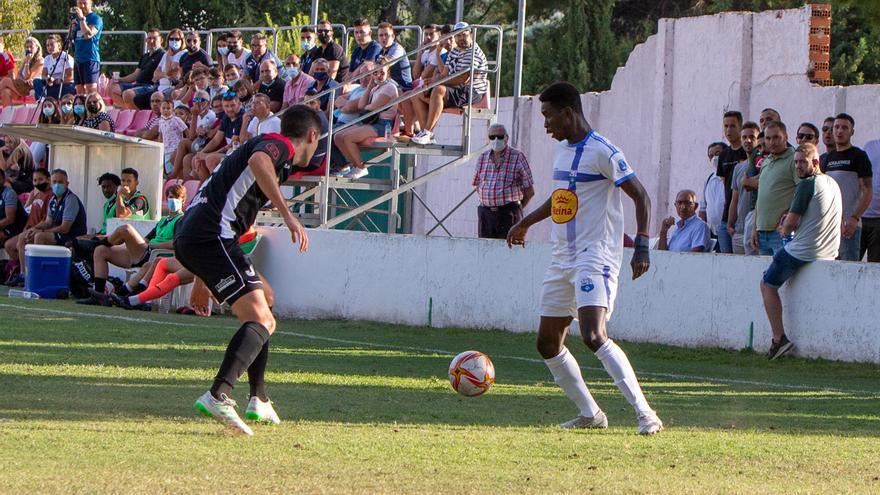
<point x="130" y="202"/>
<point x="109" y="185"/>
<point x="776" y="186"/>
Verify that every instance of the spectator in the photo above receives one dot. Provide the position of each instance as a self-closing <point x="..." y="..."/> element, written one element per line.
<point x="814" y="217"/>
<point x="807" y="133"/>
<point x="871" y="218"/>
<point x="87" y="28"/>
<point x="198" y="133"/>
<point x="380" y="90"/>
<point x="456" y="93"/>
<point x="37" y="205"/>
<point x="203" y="163"/>
<point x="367" y="48"/>
<point x="331" y="52"/>
<point x="151" y="129"/>
<point x="125" y="89"/>
<point x="168" y="73"/>
<point x="768" y="115"/>
<point x="182" y="111"/>
<point x="216" y="86"/>
<point x="711" y="209"/>
<point x="298" y="81"/>
<point x="307" y="43"/>
<point x="727" y="161"/>
<point x="851" y="168"/>
<point x="321" y="152"/>
<point x="18" y="163"/>
<point x="238" y="54"/>
<point x="79" y="109"/>
<point x="232" y="74"/>
<point x="259" y="54"/>
<point x="126" y="248"/>
<point x="7" y="61"/>
<point x="66" y="107"/>
<point x="741" y="199"/>
<point x="220" y="60"/>
<point x="20" y="83"/>
<point x="66" y="219"/>
<point x="198" y="81"/>
<point x="401" y="72"/>
<point x="423" y="72"/>
<point x="504" y="184"/>
<point x="827" y="139"/>
<point x="13" y="217"/>
<point x="776" y="186"/>
<point x="172" y="129"/>
<point x="347" y="103"/>
<point x="690" y="234"/>
<point x="194" y="57"/>
<point x="57" y="79"/>
<point x="50" y="114"/>
<point x="260" y="120"/>
<point x="271" y="85"/>
<point x="130" y="202"/>
<point x="109" y="184"/>
<point x="323" y="81"/>
<point x="96" y="114"/>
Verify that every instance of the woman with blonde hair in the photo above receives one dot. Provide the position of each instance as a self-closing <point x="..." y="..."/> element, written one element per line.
<point x="96" y="114"/>
<point x="22" y="81"/>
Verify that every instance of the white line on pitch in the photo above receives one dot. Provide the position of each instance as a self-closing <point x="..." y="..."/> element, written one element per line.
<point x="674" y="376"/>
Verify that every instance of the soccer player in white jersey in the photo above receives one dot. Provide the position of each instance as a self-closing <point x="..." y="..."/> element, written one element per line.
<point x="587" y="234"/>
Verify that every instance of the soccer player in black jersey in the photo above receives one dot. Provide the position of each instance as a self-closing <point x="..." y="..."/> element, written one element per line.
<point x="206" y="243"/>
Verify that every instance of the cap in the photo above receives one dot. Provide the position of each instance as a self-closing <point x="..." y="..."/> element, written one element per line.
<point x="460" y="25"/>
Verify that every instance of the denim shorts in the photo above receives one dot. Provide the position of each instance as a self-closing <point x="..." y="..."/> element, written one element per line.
<point x="138" y="88"/>
<point x="86" y="72"/>
<point x="379" y="127"/>
<point x="781" y="269"/>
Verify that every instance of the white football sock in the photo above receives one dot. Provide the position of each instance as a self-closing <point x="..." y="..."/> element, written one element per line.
<point x="134" y="300"/>
<point x="567" y="375"/>
<point x="617" y="365"/>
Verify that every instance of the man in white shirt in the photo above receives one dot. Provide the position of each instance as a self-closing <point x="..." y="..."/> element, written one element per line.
<point x="260" y="120"/>
<point x="712" y="207"/>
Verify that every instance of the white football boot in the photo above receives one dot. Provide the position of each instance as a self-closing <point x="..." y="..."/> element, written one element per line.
<point x="223" y="411"/>
<point x="599" y="421"/>
<point x="649" y="423"/>
<point x="262" y="412"/>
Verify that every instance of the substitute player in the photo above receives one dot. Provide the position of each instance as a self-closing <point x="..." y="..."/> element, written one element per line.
<point x="587" y="234"/>
<point x="206" y="244"/>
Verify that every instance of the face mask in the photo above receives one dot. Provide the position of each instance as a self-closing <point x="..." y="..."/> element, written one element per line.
<point x="93" y="108"/>
<point x="175" y="45"/>
<point x="324" y="38"/>
<point x="713" y="162"/>
<point x="28" y="53"/>
<point x="321" y="76"/>
<point x="231" y="82"/>
<point x="174" y="204"/>
<point x="223" y="51"/>
<point x="42" y="187"/>
<point x="58" y="189"/>
<point x="79" y="109"/>
<point x="48" y="111"/>
<point x="498" y="144"/>
<point x="66" y="108"/>
<point x="306" y="45"/>
<point x="291" y="72"/>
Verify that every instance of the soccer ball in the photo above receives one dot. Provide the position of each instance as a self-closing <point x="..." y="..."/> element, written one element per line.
<point x="471" y="373"/>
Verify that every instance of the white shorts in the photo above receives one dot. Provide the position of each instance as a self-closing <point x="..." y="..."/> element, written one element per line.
<point x="567" y="288"/>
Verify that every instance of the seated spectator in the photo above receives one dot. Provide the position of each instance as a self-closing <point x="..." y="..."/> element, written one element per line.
<point x="18" y="163"/>
<point x="259" y="54"/>
<point x="36" y="206"/>
<point x="232" y="75"/>
<point x="271" y="84"/>
<point x="126" y="88"/>
<point x="13" y="217"/>
<point x="201" y="164"/>
<point x="323" y="81"/>
<point x="200" y="130"/>
<point x="456" y="93"/>
<point x="401" y="72"/>
<point x="297" y="82"/>
<point x="96" y="114"/>
<point x="331" y="51"/>
<point x="66" y="219"/>
<point x="307" y="43"/>
<point x="347" y="104"/>
<point x="66" y="107"/>
<point x="182" y="111"/>
<point x="260" y="120"/>
<point x="79" y="109"/>
<point x="321" y="151"/>
<point x="366" y="49"/>
<point x="172" y="129"/>
<point x="130" y="202"/>
<point x="807" y="133"/>
<point x="168" y="72"/>
<point x="216" y="86"/>
<point x="690" y="234"/>
<point x="238" y="54"/>
<point x="57" y="79"/>
<point x="126" y="248"/>
<point x="196" y="80"/>
<point x="379" y="92"/>
<point x="222" y="52"/>
<point x="20" y="83"/>
<point x="151" y="128"/>
<point x="194" y="57"/>
<point x="7" y="61"/>
<point x="110" y="184"/>
<point x="50" y="113"/>
<point x="814" y="220"/>
<point x="423" y="71"/>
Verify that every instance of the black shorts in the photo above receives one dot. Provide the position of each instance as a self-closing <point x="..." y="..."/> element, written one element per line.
<point x="144" y="259"/>
<point x="221" y="264"/>
<point x="86" y="72"/>
<point x="457" y="97"/>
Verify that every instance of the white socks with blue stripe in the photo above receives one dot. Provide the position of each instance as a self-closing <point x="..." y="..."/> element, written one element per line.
<point x="567" y="375"/>
<point x="617" y="365"/>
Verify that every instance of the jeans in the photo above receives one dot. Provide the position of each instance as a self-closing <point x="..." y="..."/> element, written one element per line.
<point x="725" y="242"/>
<point x="870" y="239"/>
<point x="783" y="267"/>
<point x="769" y="242"/>
<point x="849" y="248"/>
<point x="42" y="89"/>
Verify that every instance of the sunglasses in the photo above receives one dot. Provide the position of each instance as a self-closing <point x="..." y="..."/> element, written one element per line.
<point x="199" y="99"/>
<point x="325" y="31"/>
<point x="806" y="136"/>
<point x="229" y="95"/>
<point x="495" y="137"/>
<point x="826" y="128"/>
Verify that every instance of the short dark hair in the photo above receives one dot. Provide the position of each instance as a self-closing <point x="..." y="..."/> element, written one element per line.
<point x="735" y="114"/>
<point x="563" y="94"/>
<point x="810" y="126"/>
<point x="716" y="143"/>
<point x="361" y="21"/>
<point x="386" y="25"/>
<point x="154" y="30"/>
<point x="111" y="177"/>
<point x="829" y="118"/>
<point x="435" y="27"/>
<point x="446" y="29"/>
<point x="777" y="124"/>
<point x="307" y="29"/>
<point x="130" y="171"/>
<point x="298" y="119"/>
<point x="60" y="171"/>
<point x="42" y="171"/>
<point x="233" y="34"/>
<point x="770" y="109"/>
<point x="846" y="116"/>
<point x="751" y="125"/>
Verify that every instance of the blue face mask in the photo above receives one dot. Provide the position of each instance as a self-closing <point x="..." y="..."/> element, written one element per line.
<point x="58" y="189"/>
<point x="306" y="45"/>
<point x="223" y="51"/>
<point x="79" y="109"/>
<point x="174" y="205"/>
<point x="291" y="72"/>
<point x="231" y="82"/>
<point x="321" y="76"/>
<point x="175" y="45"/>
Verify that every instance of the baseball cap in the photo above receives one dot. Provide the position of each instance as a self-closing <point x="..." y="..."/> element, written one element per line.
<point x="460" y="25"/>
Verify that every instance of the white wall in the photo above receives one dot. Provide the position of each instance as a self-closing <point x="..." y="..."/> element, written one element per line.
<point x="686" y="299"/>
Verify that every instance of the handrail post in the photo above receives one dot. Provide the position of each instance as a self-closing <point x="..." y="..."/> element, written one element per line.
<point x="517" y="71"/>
<point x="466" y="128"/>
<point x="325" y="186"/>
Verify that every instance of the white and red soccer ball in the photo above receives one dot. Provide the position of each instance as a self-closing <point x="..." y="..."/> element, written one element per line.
<point x="471" y="373"/>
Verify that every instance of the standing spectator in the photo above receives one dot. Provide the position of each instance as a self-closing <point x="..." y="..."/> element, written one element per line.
<point x="807" y="133"/>
<point x="307" y="43"/>
<point x="727" y="161"/>
<point x="238" y="54"/>
<point x="36" y="205"/>
<point x="690" y="234"/>
<point x="851" y="168"/>
<point x="260" y="120"/>
<point x="194" y="57"/>
<point x="7" y="61"/>
<point x="827" y="139"/>
<point x="776" y="186"/>
<point x="367" y="48"/>
<point x="87" y="28"/>
<point x="323" y="81"/>
<point x="768" y="115"/>
<point x="504" y="184"/>
<point x="21" y="82"/>
<point x="271" y="84"/>
<point x="330" y="51"/>
<point x="96" y="114"/>
<point x="57" y="78"/>
<point x="871" y="218"/>
<point x="456" y="93"/>
<point x="711" y="209"/>
<point x="298" y="82"/>
<point x="814" y="218"/>
<point x="401" y="72"/>
<point x="741" y="199"/>
<point x="13" y="217"/>
<point x="124" y="89"/>
<point x="259" y="54"/>
<point x="172" y="130"/>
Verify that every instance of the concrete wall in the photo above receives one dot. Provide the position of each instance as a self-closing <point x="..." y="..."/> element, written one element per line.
<point x="686" y="299"/>
<point x="665" y="106"/>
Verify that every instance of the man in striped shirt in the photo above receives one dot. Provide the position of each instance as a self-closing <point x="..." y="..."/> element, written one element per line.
<point x="456" y="93"/>
<point x="504" y="182"/>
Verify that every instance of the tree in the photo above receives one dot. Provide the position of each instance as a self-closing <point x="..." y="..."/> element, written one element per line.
<point x="17" y="14"/>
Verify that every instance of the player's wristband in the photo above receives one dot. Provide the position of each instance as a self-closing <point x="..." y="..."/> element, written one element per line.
<point x="642" y="243"/>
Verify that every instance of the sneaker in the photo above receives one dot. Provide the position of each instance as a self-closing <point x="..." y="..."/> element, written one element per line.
<point x="340" y="172"/>
<point x="95" y="299"/>
<point x="262" y="412"/>
<point x="649" y="423"/>
<point x="124" y="303"/>
<point x="424" y="137"/>
<point x="357" y="173"/>
<point x="599" y="421"/>
<point x="16" y="280"/>
<point x="223" y="411"/>
<point x="778" y="349"/>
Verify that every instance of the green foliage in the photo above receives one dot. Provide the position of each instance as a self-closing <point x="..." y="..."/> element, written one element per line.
<point x="17" y="14"/>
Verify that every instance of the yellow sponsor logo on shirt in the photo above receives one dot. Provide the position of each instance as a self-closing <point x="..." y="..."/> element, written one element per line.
<point x="563" y="205"/>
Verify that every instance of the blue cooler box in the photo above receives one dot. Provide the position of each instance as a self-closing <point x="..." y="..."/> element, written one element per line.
<point x="48" y="271"/>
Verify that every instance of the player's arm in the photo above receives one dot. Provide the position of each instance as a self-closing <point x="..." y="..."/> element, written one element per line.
<point x="517" y="234"/>
<point x="264" y="173"/>
<point x="636" y="191"/>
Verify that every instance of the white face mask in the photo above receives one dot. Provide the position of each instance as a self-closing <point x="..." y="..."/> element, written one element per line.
<point x="497" y="144"/>
<point x="175" y="204"/>
<point x="714" y="163"/>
